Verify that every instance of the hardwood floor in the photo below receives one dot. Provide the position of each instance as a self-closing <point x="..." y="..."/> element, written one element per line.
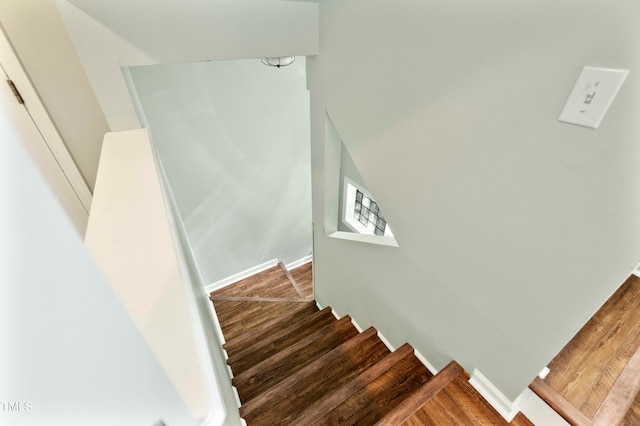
<point x="303" y="275"/>
<point x="273" y="283"/>
<point x="633" y="415"/>
<point x="602" y="357"/>
<point x="294" y="364"/>
<point x="460" y="404"/>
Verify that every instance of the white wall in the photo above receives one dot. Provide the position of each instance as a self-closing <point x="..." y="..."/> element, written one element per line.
<point x="513" y="228"/>
<point x="69" y="353"/>
<point x="347" y="170"/>
<point x="110" y="35"/>
<point x="38" y="135"/>
<point x="131" y="238"/>
<point x="233" y="137"/>
<point x="38" y="35"/>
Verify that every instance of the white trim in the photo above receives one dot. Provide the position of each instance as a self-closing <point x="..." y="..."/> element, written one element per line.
<point x="386" y="342"/>
<point x="356" y="325"/>
<point x="636" y="270"/>
<point x="371" y="239"/>
<point x="538" y="411"/>
<point x="297" y="263"/>
<point x="241" y="275"/>
<point x="503" y="405"/>
<point x="544" y="373"/>
<point x="425" y="361"/>
<point x="217" y="328"/>
<point x="417" y="353"/>
<point x="348" y="205"/>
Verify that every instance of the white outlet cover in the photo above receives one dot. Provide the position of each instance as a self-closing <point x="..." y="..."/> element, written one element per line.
<point x="592" y="96"/>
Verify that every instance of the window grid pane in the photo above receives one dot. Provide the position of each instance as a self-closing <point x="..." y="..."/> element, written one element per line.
<point x="367" y="212"/>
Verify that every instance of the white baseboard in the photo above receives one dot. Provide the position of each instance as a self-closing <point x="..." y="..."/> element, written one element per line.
<point x="241" y="275"/>
<point x="255" y="270"/>
<point x="503" y="405"/>
<point x="426" y="362"/>
<point x="536" y="410"/>
<point x="388" y="344"/>
<point x="299" y="262"/>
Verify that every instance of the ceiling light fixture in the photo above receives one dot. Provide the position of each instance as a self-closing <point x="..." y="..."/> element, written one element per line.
<point x="278" y="61"/>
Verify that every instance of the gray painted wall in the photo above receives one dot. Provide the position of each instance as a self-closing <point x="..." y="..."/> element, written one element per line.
<point x="233" y="138"/>
<point x="349" y="170"/>
<point x="513" y="228"/>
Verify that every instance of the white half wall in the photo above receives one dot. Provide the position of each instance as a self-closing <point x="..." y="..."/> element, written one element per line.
<point x="118" y="33"/>
<point x="132" y="240"/>
<point x="70" y="355"/>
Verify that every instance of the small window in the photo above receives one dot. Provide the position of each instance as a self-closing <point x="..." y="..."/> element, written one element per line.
<point x="362" y="214"/>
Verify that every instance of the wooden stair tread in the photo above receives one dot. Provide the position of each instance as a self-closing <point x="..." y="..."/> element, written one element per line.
<point x="423" y="395"/>
<point x="373" y="401"/>
<point x="272" y="282"/>
<point x="318" y="410"/>
<point x="280" y="340"/>
<point x="459" y="403"/>
<point x="239" y="317"/>
<point x="558" y="403"/>
<point x="289" y="398"/>
<point x="263" y="331"/>
<point x="281" y="365"/>
<point x="295" y="364"/>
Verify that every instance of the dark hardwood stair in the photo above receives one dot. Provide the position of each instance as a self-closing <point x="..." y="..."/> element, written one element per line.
<point x="294" y="364"/>
<point x="258" y="333"/>
<point x="316" y="381"/>
<point x="276" y="368"/>
<point x="279" y="341"/>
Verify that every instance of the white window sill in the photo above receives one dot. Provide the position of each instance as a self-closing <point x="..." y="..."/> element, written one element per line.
<point x="365" y="238"/>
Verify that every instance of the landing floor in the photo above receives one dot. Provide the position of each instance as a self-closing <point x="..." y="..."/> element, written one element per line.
<point x="590" y="364"/>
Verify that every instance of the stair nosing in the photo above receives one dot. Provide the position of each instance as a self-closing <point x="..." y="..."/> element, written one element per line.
<point x="422" y="396"/>
<point x="559" y="403"/>
<point x="330" y="402"/>
<point x="251" y="405"/>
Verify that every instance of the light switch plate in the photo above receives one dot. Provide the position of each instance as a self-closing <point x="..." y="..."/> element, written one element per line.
<point x="592" y="95"/>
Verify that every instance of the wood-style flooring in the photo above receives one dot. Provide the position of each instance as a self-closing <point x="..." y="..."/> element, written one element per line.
<point x="461" y="404"/>
<point x="294" y="364"/>
<point x="598" y="371"/>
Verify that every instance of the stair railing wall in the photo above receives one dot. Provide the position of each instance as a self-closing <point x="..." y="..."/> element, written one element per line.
<point x="224" y="405"/>
<point x="136" y="238"/>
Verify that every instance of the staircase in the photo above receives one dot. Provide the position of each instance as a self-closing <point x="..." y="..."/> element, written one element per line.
<point x="296" y="364"/>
